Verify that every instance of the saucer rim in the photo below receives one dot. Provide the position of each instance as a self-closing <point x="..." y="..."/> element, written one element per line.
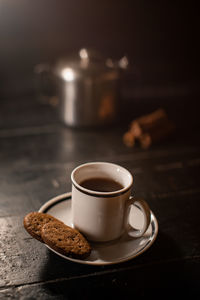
<point x="66" y="197"/>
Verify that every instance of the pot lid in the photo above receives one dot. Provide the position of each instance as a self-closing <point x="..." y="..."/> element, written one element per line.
<point x="87" y="62"/>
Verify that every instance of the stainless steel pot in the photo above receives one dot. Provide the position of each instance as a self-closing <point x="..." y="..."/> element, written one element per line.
<point x="87" y="87"/>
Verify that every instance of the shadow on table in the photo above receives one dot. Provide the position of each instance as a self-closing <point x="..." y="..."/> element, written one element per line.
<point x="161" y="271"/>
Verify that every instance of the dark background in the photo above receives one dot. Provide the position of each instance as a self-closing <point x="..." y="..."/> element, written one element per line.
<point x="160" y="38"/>
<point x="38" y="153"/>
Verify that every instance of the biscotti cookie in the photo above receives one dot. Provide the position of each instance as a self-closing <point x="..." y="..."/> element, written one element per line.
<point x="65" y="240"/>
<point x="34" y="221"/>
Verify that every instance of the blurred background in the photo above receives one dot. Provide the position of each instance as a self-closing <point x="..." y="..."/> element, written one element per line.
<point x="160" y="38"/>
<point x="38" y="153"/>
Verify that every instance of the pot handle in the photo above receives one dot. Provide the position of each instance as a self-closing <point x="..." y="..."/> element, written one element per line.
<point x="45" y="79"/>
<point x="42" y="68"/>
<point x="123" y="62"/>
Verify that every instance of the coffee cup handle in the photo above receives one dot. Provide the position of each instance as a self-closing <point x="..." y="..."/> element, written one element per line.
<point x="143" y="206"/>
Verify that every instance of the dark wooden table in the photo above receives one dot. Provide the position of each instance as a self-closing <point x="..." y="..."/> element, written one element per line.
<point x="37" y="155"/>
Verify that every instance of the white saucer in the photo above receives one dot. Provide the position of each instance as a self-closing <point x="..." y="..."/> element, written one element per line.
<point x="123" y="249"/>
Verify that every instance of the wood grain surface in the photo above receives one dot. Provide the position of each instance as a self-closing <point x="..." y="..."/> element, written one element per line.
<point x="37" y="155"/>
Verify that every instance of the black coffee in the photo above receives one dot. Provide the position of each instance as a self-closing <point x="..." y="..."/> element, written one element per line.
<point x="101" y="184"/>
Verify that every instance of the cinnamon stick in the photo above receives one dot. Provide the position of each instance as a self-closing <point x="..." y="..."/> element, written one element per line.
<point x="129" y="139"/>
<point x="149" y="129"/>
<point x="147" y="122"/>
<point x="156" y="134"/>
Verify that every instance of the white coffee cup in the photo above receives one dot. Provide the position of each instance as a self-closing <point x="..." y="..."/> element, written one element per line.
<point x="103" y="215"/>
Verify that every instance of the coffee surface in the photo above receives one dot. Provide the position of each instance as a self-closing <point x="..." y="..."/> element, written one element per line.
<point x="101" y="184"/>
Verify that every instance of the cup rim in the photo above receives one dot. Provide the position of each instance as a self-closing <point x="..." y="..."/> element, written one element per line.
<point x="97" y="193"/>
